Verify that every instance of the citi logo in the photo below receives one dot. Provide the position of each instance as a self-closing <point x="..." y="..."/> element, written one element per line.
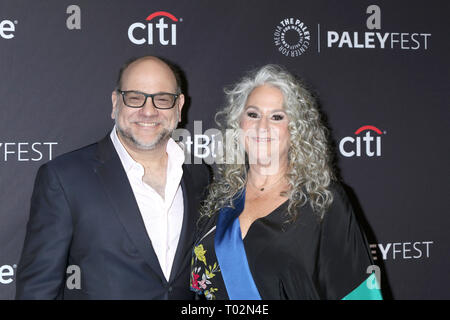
<point x="140" y="33"/>
<point x="7" y="29"/>
<point x="354" y="146"/>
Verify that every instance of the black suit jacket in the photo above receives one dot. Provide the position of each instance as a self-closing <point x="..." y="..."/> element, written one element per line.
<point x="84" y="213"/>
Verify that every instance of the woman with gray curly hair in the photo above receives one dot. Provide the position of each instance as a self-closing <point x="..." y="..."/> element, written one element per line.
<point x="276" y="224"/>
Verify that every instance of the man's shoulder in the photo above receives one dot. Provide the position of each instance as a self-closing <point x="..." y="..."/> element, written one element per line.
<point x="76" y="165"/>
<point x="84" y="152"/>
<point x="76" y="158"/>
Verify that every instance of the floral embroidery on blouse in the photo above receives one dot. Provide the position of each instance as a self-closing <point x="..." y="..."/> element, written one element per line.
<point x="200" y="276"/>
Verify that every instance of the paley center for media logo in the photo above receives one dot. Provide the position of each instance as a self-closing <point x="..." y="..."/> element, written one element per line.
<point x="292" y="37"/>
<point x="160" y="27"/>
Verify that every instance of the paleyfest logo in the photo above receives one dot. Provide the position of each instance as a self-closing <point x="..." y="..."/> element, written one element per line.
<point x="26" y="151"/>
<point x="292" y="37"/>
<point x="73" y="280"/>
<point x="165" y="33"/>
<point x="375" y="38"/>
<point x="7" y="29"/>
<point x="401" y="250"/>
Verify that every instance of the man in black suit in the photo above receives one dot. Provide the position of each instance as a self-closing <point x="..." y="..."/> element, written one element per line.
<point x="122" y="211"/>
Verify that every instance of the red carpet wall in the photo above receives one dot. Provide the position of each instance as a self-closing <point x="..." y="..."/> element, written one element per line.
<point x="379" y="69"/>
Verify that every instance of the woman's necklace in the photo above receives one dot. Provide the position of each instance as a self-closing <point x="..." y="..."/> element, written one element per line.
<point x="266" y="188"/>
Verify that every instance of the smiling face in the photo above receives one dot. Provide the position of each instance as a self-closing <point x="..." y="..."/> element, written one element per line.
<point x="265" y="126"/>
<point x="146" y="128"/>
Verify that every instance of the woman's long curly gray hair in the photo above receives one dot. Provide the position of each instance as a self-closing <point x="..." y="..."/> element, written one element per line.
<point x="309" y="169"/>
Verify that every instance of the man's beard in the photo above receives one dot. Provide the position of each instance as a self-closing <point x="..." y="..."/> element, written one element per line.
<point x="162" y="137"/>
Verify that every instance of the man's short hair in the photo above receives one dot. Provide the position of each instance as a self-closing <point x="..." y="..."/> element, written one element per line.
<point x="174" y="68"/>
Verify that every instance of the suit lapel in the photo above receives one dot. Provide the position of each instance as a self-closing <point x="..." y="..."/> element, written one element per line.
<point x="189" y="218"/>
<point x="117" y="186"/>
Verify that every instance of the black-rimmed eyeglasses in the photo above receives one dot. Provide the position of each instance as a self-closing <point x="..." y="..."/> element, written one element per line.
<point x="137" y="99"/>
